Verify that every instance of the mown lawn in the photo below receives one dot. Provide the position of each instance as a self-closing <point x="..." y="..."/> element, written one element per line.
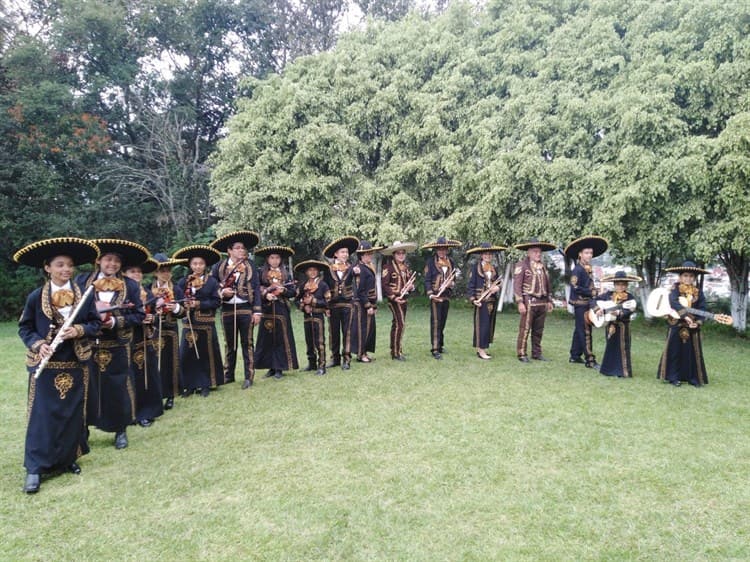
<point x="458" y="459"/>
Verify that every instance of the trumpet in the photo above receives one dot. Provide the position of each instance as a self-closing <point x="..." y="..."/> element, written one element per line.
<point x="488" y="291"/>
<point x="447" y="282"/>
<point x="408" y="286"/>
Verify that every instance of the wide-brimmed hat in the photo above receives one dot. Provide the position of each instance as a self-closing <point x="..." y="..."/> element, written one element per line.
<point x="485" y="247"/>
<point x="687" y="267"/>
<point x="38" y="253"/>
<point x="398" y="245"/>
<point x="266" y="251"/>
<point x="249" y="238"/>
<point x="621" y="276"/>
<point x="442" y="242"/>
<point x="366" y="248"/>
<point x="349" y="242"/>
<point x="535" y="243"/>
<point x="596" y="243"/>
<point x="148" y="266"/>
<point x="130" y="253"/>
<point x="210" y="255"/>
<point x="163" y="261"/>
<point x="303" y="265"/>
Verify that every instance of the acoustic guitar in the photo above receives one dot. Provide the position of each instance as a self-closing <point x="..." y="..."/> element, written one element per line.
<point x="608" y="307"/>
<point x="658" y="306"/>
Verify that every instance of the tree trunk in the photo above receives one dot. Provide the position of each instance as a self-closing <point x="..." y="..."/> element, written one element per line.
<point x="738" y="267"/>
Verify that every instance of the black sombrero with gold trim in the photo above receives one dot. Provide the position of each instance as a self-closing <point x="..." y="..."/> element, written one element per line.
<point x="486" y="247"/>
<point x="148" y="266"/>
<point x="442" y="242"/>
<point x="366" y="247"/>
<point x="131" y="253"/>
<point x="349" y="242"/>
<point x="210" y="255"/>
<point x="283" y="251"/>
<point x="163" y="261"/>
<point x="249" y="238"/>
<point x="596" y="243"/>
<point x="37" y="254"/>
<point x="303" y="265"/>
<point x="687" y="266"/>
<point x="535" y="243"/>
<point x="621" y="276"/>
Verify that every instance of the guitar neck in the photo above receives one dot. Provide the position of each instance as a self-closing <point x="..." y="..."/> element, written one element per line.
<point x="698" y="312"/>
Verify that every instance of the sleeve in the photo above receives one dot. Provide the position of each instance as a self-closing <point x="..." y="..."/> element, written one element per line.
<point x="518" y="278"/>
<point x="254" y="289"/>
<point x="210" y="299"/>
<point x="27" y="328"/>
<point x="88" y="323"/>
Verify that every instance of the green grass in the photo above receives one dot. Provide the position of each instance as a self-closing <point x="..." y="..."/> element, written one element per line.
<point x="459" y="459"/>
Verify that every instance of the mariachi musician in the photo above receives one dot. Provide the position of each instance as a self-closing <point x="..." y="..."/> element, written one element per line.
<point x="340" y="278"/>
<point x="143" y="352"/>
<point x="275" y="349"/>
<point x="440" y="274"/>
<point x="313" y="295"/>
<point x="111" y="400"/>
<point x="398" y="282"/>
<point x="239" y="289"/>
<point x="366" y="301"/>
<point x="56" y="326"/>
<point x="532" y="292"/>
<point x="169" y="298"/>
<point x="200" y="356"/>
<point x="482" y="290"/>
<point x="582" y="290"/>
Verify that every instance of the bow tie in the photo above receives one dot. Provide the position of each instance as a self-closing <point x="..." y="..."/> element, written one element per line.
<point x="63" y="298"/>
<point x="107" y="284"/>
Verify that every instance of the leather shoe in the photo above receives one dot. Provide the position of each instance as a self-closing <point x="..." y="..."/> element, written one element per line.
<point x="145" y="422"/>
<point x="523" y="359"/>
<point x="575" y="360"/>
<point x="278" y="374"/>
<point x="32" y="483"/>
<point x="436" y="355"/>
<point x="592" y="365"/>
<point x="675" y="383"/>
<point x="333" y="363"/>
<point x="186" y="392"/>
<point x="247" y="383"/>
<point x="74" y="468"/>
<point x="204" y="392"/>
<point x="399" y="358"/>
<point x="483" y="355"/>
<point x="269" y="374"/>
<point x="540" y="358"/>
<point x="169" y="403"/>
<point x="321" y="371"/>
<point x="121" y="440"/>
<point x="345" y="365"/>
<point x="364" y="359"/>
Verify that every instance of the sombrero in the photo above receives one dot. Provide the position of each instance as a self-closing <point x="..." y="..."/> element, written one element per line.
<point x="535" y="243"/>
<point x="38" y="253"/>
<point x="442" y="242"/>
<point x="283" y="251"/>
<point x="349" y="242"/>
<point x="366" y="248"/>
<point x="398" y="245"/>
<point x="249" y="238"/>
<point x="210" y="255"/>
<point x="130" y="252"/>
<point x="485" y="247"/>
<point x="596" y="243"/>
<point x="621" y="276"/>
<point x="148" y="266"/>
<point x="687" y="267"/>
<point x="163" y="261"/>
<point x="303" y="265"/>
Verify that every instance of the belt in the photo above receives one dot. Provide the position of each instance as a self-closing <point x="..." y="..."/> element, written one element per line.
<point x="536" y="299"/>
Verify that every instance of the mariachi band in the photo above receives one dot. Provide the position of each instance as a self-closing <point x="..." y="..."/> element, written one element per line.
<point x="104" y="349"/>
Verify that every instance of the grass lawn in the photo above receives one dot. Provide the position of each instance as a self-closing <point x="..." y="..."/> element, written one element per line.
<point x="458" y="459"/>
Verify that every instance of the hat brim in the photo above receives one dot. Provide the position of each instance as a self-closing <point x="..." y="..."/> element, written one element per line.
<point x="170" y="263"/>
<point x="681" y="269"/>
<point x="543" y="246"/>
<point x="149" y="266"/>
<point x="283" y="251"/>
<point x="249" y="238"/>
<point x="598" y="244"/>
<point x="447" y="244"/>
<point x="490" y="249"/>
<point x="209" y="254"/>
<point x="38" y="253"/>
<point x="349" y="242"/>
<point x="131" y="253"/>
<point x="372" y="250"/>
<point x="627" y="278"/>
<point x="406" y="247"/>
<point x="304" y="265"/>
